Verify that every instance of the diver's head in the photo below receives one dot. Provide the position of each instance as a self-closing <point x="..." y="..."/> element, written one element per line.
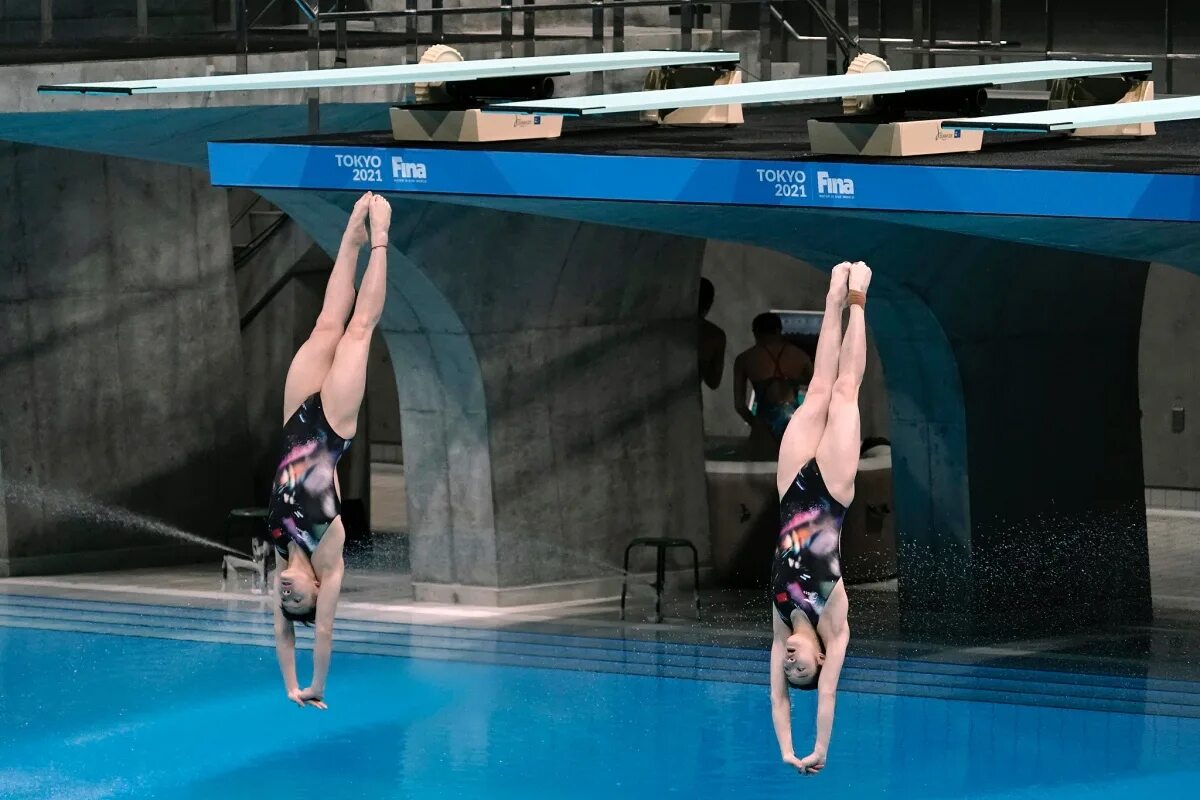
<point x="707" y="293"/>
<point x="298" y="588"/>
<point x="803" y="657"/>
<point x="766" y="327"/>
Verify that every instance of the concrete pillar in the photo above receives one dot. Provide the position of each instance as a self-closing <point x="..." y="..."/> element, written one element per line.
<point x="120" y="364"/>
<point x="4" y="570"/>
<point x="930" y="479"/>
<point x="585" y="337"/>
<point x="1169" y="379"/>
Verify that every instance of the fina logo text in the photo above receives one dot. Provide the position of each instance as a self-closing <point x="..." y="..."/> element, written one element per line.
<point x="408" y="170"/>
<point x="829" y="186"/>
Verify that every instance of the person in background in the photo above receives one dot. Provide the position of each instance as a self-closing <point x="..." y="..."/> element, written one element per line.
<point x="778" y="371"/>
<point x="711" y="347"/>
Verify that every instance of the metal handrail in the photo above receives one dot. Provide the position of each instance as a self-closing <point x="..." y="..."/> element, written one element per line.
<point x="251" y="247"/>
<point x="245" y="212"/>
<point x="786" y="26"/>
<point x="530" y="8"/>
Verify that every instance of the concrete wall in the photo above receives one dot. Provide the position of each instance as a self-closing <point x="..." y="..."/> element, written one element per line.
<point x="748" y="281"/>
<point x="1169" y="375"/>
<point x="120" y="364"/>
<point x="268" y="343"/>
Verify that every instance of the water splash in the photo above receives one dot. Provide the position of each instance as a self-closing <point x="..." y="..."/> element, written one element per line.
<point x="62" y="503"/>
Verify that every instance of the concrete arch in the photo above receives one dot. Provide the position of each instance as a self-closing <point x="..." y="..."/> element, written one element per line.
<point x="583" y="333"/>
<point x="931" y="484"/>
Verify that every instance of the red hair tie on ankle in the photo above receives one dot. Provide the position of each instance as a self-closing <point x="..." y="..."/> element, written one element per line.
<point x="857" y="298"/>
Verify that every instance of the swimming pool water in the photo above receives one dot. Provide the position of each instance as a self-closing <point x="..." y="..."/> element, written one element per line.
<point x="87" y="715"/>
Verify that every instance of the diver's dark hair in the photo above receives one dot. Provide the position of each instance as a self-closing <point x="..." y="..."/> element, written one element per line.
<point x="766" y="324"/>
<point x="707" y="293"/>
<point x="308" y="617"/>
<point x="811" y="685"/>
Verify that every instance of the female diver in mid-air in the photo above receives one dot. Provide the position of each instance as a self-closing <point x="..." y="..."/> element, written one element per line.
<point x="818" y="460"/>
<point x="321" y="399"/>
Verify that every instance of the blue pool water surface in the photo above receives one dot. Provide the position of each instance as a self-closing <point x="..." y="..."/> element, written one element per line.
<point x="97" y="715"/>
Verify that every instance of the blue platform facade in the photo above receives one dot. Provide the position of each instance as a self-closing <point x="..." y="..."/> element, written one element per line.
<point x="710" y="181"/>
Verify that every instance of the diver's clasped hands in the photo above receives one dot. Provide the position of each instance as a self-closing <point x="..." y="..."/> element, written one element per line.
<point x="307" y="697"/>
<point x="809" y="765"/>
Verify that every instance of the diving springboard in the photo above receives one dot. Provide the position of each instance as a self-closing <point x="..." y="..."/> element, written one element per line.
<point x="404" y="73"/>
<point x="828" y="87"/>
<point x="1069" y="119"/>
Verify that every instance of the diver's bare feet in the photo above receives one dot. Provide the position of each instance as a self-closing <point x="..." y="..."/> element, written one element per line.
<point x="838" y="287"/>
<point x="356" y="229"/>
<point x="860" y="277"/>
<point x="381" y="220"/>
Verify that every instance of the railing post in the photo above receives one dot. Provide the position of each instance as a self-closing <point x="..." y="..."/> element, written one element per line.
<point x="685" y="25"/>
<point x="143" y="18"/>
<point x="989" y="29"/>
<point x="1049" y="27"/>
<point x="618" y="29"/>
<point x="918" y="33"/>
<point x="341" y="44"/>
<point x="506" y="28"/>
<point x="47" y="20"/>
<point x="411" y="56"/>
<point x="931" y="30"/>
<point x="831" y="45"/>
<point x="997" y="34"/>
<point x="437" y="23"/>
<point x="880" y="27"/>
<point x="314" y="62"/>
<point x="241" y="28"/>
<point x="1168" y="44"/>
<point x="852" y="20"/>
<point x="529" y="23"/>
<point x="596" y="79"/>
<point x="716" y="24"/>
<point x="764" y="40"/>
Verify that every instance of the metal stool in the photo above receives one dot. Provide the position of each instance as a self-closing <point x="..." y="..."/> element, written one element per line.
<point x="260" y="549"/>
<point x="661" y="544"/>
